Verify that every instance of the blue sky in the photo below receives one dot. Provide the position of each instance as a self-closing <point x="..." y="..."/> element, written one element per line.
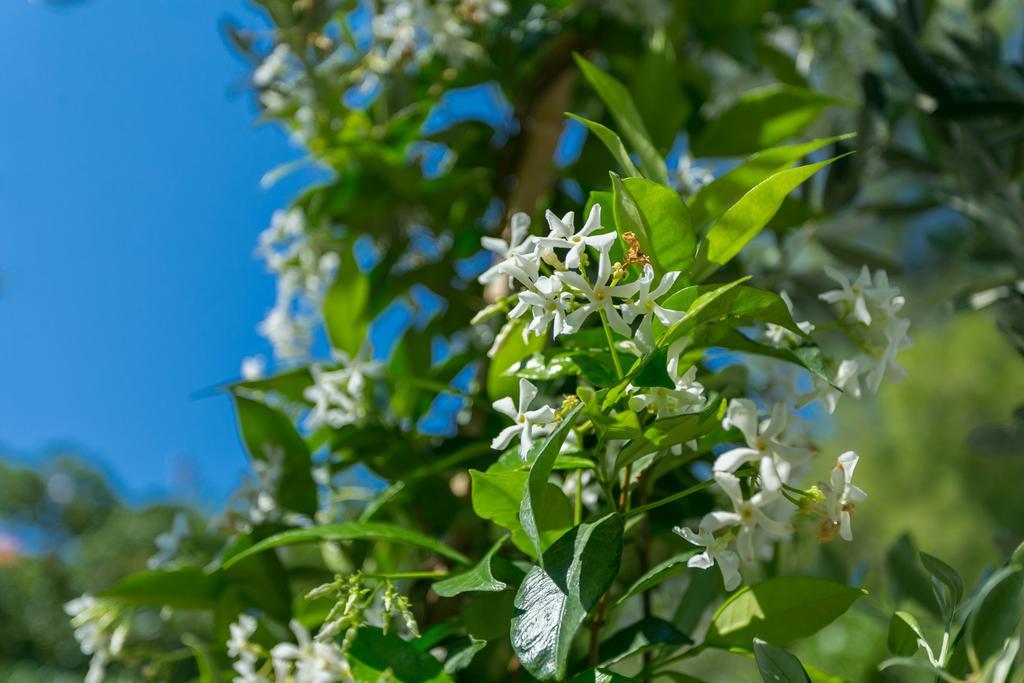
<point x="129" y="192"/>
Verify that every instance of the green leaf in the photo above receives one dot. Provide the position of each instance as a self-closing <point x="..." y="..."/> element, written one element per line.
<point x="807" y="356"/>
<point x="744" y="219"/>
<point x="460" y="658"/>
<point x="600" y="676"/>
<point x="715" y="197"/>
<point x="351" y="531"/>
<point x="477" y="579"/>
<point x="208" y="670"/>
<point x="779" y="610"/>
<point x="695" y="313"/>
<point x="612" y="141"/>
<point x="290" y="384"/>
<point x="761" y="118"/>
<point x="908" y="579"/>
<point x="904" y="633"/>
<point x="656" y="575"/>
<point x="542" y="460"/>
<point x="554" y="599"/>
<point x="498" y="496"/>
<point x="269" y="434"/>
<point x="646" y="634"/>
<point x="778" y="666"/>
<point x="947" y="585"/>
<point x="345" y="305"/>
<point x="622" y="109"/>
<point x="658" y="92"/>
<point x="664" y="222"/>
<point x="654" y="372"/>
<point x="995" y="617"/>
<point x="372" y="654"/>
<point x="670" y="431"/>
<point x="188" y="588"/>
<point x="510" y="351"/>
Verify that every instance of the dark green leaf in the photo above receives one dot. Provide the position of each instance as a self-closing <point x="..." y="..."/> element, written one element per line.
<point x="947" y="585"/>
<point x="639" y="637"/>
<point x="554" y="599"/>
<point x="351" y="531"/>
<point x="612" y="141"/>
<point x="189" y="588"/>
<point x="372" y="653"/>
<point x="778" y="666"/>
<point x="600" y="676"/>
<point x="904" y="633"/>
<point x="627" y="118"/>
<point x="779" y="610"/>
<point x="761" y="118"/>
<point x="663" y="571"/>
<point x="995" y="616"/>
<point x="461" y="657"/>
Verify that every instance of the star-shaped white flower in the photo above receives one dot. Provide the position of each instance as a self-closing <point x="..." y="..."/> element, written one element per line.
<point x="716" y="551"/>
<point x="853" y="294"/>
<point x="601" y="295"/>
<point x="646" y="306"/>
<point x="880" y="362"/>
<point x="686" y="397"/>
<point x="764" y="443"/>
<point x="313" y="661"/>
<point x="841" y="495"/>
<point x="563" y="235"/>
<point x="528" y="423"/>
<point x="747" y="515"/>
<point x="846" y="382"/>
<point x="548" y="303"/>
<point x="520" y="244"/>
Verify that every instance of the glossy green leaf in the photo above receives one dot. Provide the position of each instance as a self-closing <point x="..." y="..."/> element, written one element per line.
<point x="542" y="459"/>
<point x="478" y="579"/>
<point x="601" y="676"/>
<point x="372" y="654"/>
<point x="345" y="304"/>
<point x="761" y="118"/>
<point x="657" y="575"/>
<point x="554" y="599"/>
<point x="695" y="312"/>
<point x="718" y="195"/>
<point x="498" y="496"/>
<point x="268" y="434"/>
<point x="660" y="220"/>
<point x="748" y="216"/>
<point x="351" y="531"/>
<point x="612" y="141"/>
<point x="777" y="665"/>
<point x="904" y="633"/>
<point x="779" y="611"/>
<point x="624" y="112"/>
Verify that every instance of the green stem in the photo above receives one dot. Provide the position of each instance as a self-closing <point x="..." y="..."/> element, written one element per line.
<point x="611" y="345"/>
<point x="669" y="499"/>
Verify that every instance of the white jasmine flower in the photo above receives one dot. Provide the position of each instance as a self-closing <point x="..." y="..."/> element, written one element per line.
<point x="563" y="235"/>
<point x="308" y="660"/>
<point x="689" y="179"/>
<point x="716" y="551"/>
<point x="100" y="631"/>
<point x="687" y="397"/>
<point x="341" y="397"/>
<point x="520" y="244"/>
<point x="764" y="443"/>
<point x="881" y="361"/>
<point x="846" y="381"/>
<point x="600" y="297"/>
<point x="746" y="514"/>
<point x="854" y="295"/>
<point x="167" y="543"/>
<point x="646" y="307"/>
<point x="253" y="368"/>
<point x="528" y="423"/>
<point x="781" y="336"/>
<point x="240" y="633"/>
<point x="275" y="65"/>
<point x="841" y="495"/>
<point x="548" y="303"/>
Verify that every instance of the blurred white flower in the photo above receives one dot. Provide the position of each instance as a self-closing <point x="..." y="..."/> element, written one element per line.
<point x="168" y="542"/>
<point x="100" y="630"/>
<point x="253" y="368"/>
<point x="765" y="444"/>
<point x="747" y="514"/>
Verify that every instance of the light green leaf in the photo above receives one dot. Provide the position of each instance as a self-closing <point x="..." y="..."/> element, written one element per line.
<point x="761" y="118"/>
<point x="554" y="599"/>
<point x="478" y="579"/>
<point x="715" y="197"/>
<point x="351" y="531"/>
<point x="779" y="610"/>
<point x="904" y="633"/>
<point x="345" y="306"/>
<point x="498" y="496"/>
<point x="511" y="350"/>
<point x="778" y="666"/>
<point x="622" y="109"/>
<point x="748" y="216"/>
<point x="671" y="240"/>
<point x="269" y="434"/>
<point x="656" y="575"/>
<point x="542" y="460"/>
<point x="695" y="312"/>
<point x="612" y="141"/>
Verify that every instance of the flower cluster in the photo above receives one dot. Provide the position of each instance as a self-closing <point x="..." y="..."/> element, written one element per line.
<point x="304" y="661"/>
<point x="100" y="629"/>
<point x="341" y="396"/>
<point x="304" y="270"/>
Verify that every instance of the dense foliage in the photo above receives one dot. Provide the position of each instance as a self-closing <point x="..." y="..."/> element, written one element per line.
<point x="542" y="407"/>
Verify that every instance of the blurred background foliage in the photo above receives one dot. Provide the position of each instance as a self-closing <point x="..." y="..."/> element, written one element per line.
<point x="933" y="194"/>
